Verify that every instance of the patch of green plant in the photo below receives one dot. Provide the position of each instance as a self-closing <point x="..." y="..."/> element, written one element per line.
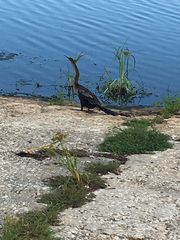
<point x="92" y="179"/>
<point x="71" y="195"/>
<point x="59" y="100"/>
<point x="28" y="226"/>
<point x="135" y="140"/>
<point x="142" y="123"/>
<point x="158" y="120"/>
<point x="170" y="104"/>
<point x="122" y="90"/>
<point x="96" y="182"/>
<point x="68" y="193"/>
<point x="69" y="161"/>
<point x="102" y="168"/>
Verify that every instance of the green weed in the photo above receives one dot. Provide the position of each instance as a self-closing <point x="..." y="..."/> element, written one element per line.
<point x="143" y="123"/>
<point x="93" y="179"/>
<point x="102" y="168"/>
<point x="135" y="140"/>
<point x="170" y="104"/>
<point x="67" y="191"/>
<point x="67" y="195"/>
<point x="59" y="100"/>
<point x="28" y="226"/>
<point x="70" y="162"/>
<point x="158" y="120"/>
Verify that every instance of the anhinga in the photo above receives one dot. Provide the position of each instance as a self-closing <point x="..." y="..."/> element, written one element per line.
<point x="87" y="98"/>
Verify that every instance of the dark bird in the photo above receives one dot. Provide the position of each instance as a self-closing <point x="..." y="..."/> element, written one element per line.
<point x="87" y="98"/>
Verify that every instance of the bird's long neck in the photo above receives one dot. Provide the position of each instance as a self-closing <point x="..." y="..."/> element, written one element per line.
<point x="76" y="78"/>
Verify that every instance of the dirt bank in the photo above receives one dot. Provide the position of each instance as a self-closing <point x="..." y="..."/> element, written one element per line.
<point x="143" y="201"/>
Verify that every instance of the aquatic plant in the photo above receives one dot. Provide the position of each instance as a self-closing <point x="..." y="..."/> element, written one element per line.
<point x="122" y="90"/>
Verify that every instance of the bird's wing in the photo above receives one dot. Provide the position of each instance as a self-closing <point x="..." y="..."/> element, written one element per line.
<point x="88" y="95"/>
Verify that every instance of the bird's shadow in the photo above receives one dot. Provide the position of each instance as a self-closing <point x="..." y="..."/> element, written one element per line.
<point x="86" y="111"/>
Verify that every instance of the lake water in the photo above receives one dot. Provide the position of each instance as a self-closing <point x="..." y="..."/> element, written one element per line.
<point x="41" y="32"/>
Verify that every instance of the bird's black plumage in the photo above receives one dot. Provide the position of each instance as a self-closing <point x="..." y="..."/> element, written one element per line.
<point x="87" y="98"/>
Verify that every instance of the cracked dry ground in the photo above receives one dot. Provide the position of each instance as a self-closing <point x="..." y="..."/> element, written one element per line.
<point x="142" y="202"/>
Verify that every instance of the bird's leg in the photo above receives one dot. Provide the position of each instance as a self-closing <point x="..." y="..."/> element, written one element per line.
<point x="81" y="107"/>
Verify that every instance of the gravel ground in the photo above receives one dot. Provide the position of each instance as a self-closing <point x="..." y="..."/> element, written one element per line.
<point x="143" y="201"/>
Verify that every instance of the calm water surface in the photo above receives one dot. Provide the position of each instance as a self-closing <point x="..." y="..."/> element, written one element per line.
<point x="41" y="32"/>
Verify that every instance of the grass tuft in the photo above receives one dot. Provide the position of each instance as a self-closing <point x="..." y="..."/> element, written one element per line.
<point x="31" y="225"/>
<point x="67" y="193"/>
<point x="142" y="123"/>
<point x="170" y="104"/>
<point x="158" y="120"/>
<point x="135" y="140"/>
<point x="102" y="168"/>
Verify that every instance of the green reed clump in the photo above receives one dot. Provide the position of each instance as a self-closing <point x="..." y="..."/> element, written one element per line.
<point x="121" y="89"/>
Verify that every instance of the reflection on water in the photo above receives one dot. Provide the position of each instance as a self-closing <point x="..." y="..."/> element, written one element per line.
<point x="42" y="32"/>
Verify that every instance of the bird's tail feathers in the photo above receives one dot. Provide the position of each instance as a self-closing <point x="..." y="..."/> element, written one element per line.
<point x="108" y="111"/>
